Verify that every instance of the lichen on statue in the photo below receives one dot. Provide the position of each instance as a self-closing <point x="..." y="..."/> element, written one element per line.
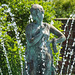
<point x="38" y="52"/>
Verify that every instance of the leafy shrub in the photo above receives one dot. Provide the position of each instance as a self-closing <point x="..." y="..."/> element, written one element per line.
<point x="64" y="8"/>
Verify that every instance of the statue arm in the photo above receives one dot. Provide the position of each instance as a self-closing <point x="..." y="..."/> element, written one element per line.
<point x="33" y="40"/>
<point x="55" y="31"/>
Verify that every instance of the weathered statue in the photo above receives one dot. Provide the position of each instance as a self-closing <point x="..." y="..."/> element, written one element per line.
<point x="38" y="53"/>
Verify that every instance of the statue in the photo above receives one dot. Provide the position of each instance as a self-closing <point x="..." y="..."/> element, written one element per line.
<point x="38" y="52"/>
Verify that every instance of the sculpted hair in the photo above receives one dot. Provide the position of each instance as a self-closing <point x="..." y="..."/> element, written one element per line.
<point x="37" y="7"/>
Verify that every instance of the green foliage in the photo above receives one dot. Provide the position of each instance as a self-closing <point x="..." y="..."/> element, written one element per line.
<point x="21" y="11"/>
<point x="64" y="8"/>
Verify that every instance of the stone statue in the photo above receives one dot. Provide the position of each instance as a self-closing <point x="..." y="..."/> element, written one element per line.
<point x="38" y="52"/>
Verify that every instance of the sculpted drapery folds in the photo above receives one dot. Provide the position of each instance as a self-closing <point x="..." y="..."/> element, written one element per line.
<point x="38" y="52"/>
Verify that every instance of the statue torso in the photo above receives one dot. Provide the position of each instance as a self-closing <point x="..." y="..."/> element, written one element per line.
<point x="33" y="30"/>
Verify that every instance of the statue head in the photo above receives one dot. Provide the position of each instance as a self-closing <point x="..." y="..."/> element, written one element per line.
<point x="37" y="12"/>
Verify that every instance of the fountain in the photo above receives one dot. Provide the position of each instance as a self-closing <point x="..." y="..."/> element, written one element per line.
<point x="17" y="37"/>
<point x="71" y="53"/>
<point x="65" y="52"/>
<point x="5" y="54"/>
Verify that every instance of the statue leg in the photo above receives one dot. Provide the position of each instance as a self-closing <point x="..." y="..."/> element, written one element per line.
<point x="52" y="67"/>
<point x="48" y="64"/>
<point x="30" y="69"/>
<point x="53" y="70"/>
<point x="48" y="68"/>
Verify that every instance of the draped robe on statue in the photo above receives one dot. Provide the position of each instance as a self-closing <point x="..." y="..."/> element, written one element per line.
<point x="38" y="55"/>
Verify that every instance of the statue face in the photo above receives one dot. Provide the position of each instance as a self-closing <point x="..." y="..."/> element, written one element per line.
<point x="37" y="15"/>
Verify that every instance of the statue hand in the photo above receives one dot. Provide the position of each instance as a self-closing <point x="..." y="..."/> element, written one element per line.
<point x="54" y="45"/>
<point x="31" y="40"/>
